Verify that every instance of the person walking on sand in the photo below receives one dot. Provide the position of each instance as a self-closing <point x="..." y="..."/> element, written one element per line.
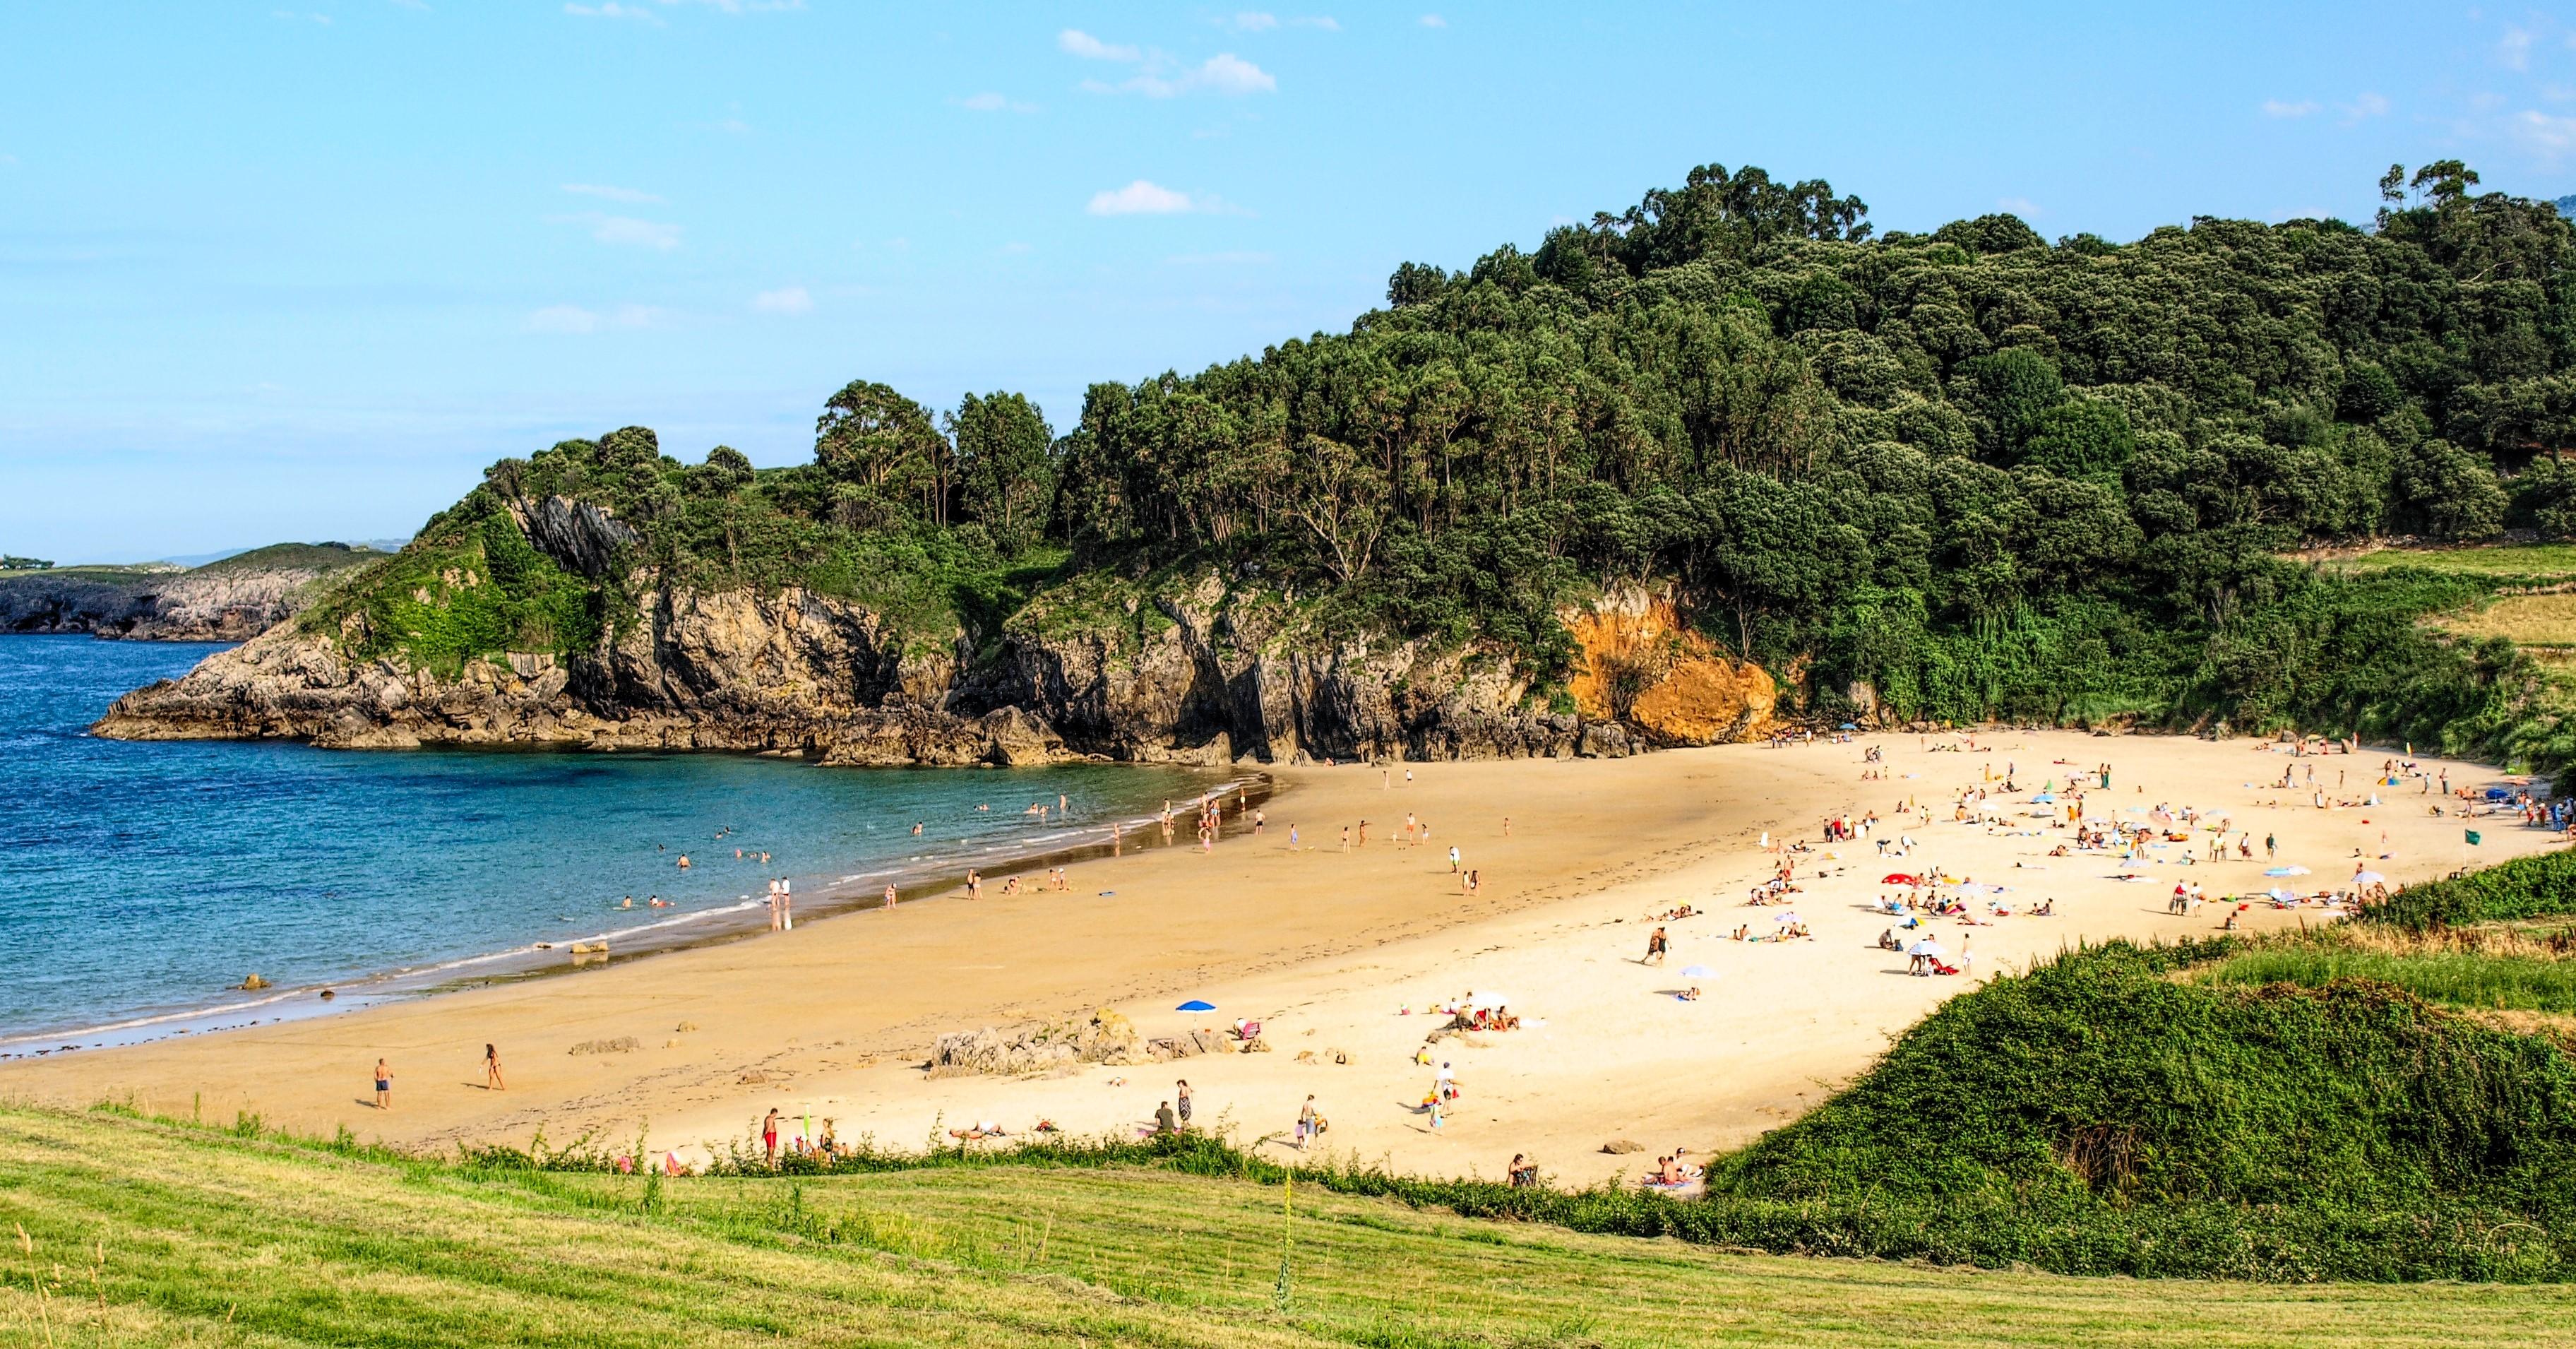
<point x="769" y="1135"/>
<point x="1453" y="859"/>
<point x="1181" y="1094"/>
<point x="1655" y="948"/>
<point x="384" y="1086"/>
<point x="492" y="1069"/>
<point x="889" y="897"/>
<point x="2271" y="847"/>
<point x="1306" y="1120"/>
<point x="786" y="905"/>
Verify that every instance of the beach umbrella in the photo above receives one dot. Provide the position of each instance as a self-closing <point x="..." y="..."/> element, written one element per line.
<point x="2285" y="871"/>
<point x="2368" y="878"/>
<point x="1850" y="727"/>
<point x="1196" y="1005"/>
<point x="1698" y="972"/>
<point x="1785" y="917"/>
<point x="2044" y="799"/>
<point x="1925" y="947"/>
<point x="1897" y="878"/>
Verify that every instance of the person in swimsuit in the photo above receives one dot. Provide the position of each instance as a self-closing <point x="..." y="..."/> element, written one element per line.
<point x="1655" y="947"/>
<point x="492" y="1069"/>
<point x="769" y="1135"/>
<point x="384" y="1086"/>
<point x="1182" y="1095"/>
<point x="889" y="897"/>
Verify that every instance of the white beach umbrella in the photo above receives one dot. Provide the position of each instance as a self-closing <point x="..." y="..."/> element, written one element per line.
<point x="2368" y="878"/>
<point x="1925" y="947"/>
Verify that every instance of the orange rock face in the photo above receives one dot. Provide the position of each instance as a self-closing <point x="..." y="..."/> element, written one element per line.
<point x="1642" y="666"/>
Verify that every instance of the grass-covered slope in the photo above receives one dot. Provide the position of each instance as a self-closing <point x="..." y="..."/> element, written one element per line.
<point x="2096" y="1115"/>
<point x="138" y="1233"/>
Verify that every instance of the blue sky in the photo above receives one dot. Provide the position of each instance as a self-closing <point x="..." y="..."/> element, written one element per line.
<point x="273" y="273"/>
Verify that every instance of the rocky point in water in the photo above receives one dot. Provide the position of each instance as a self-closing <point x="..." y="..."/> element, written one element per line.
<point x="545" y="617"/>
<point x="231" y="600"/>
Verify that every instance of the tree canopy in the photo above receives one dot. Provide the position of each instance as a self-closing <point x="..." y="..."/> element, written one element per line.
<point x="1964" y="474"/>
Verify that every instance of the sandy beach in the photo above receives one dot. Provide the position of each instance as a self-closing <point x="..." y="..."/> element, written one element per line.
<point x="1350" y="951"/>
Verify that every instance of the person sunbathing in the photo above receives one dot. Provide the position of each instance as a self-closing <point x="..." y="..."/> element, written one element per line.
<point x="1690" y="994"/>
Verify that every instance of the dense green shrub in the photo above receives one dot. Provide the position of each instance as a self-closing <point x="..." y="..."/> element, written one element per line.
<point x="2541" y="886"/>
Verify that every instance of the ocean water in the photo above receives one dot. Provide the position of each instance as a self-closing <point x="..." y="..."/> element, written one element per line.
<point x="142" y="881"/>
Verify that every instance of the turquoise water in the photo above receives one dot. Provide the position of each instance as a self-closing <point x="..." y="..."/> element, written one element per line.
<point x="139" y="881"/>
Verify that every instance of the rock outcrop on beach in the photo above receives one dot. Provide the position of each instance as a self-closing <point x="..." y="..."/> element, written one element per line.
<point x="1103" y="1037"/>
<point x="1185" y="670"/>
<point x="232" y="600"/>
<point x="1644" y="667"/>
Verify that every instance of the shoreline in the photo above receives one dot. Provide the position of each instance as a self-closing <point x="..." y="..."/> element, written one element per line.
<point x="1342" y="949"/>
<point x="851" y="893"/>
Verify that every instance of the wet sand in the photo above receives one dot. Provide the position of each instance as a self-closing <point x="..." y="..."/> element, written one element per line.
<point x="1329" y="948"/>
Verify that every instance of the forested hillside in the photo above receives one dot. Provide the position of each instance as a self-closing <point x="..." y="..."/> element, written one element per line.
<point x="1977" y="472"/>
<point x="1954" y="476"/>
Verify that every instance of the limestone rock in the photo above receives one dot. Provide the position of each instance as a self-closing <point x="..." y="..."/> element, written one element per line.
<point x="1103" y="1037"/>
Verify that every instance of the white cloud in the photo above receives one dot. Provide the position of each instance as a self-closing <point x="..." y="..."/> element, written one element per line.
<point x="2020" y="206"/>
<point x="1258" y="21"/>
<point x="2515" y="48"/>
<point x="784" y="300"/>
<point x="610" y="9"/>
<point x="1434" y="21"/>
<point x="2273" y="107"/>
<point x="992" y="102"/>
<point x="607" y="193"/>
<point x="1227" y="73"/>
<point x="1223" y="73"/>
<point x="2366" y="106"/>
<point x="1090" y="48"/>
<point x="569" y="318"/>
<point x="623" y="229"/>
<point x="2547" y="136"/>
<point x="1141" y="198"/>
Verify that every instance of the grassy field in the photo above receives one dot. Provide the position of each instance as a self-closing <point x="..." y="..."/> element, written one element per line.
<point x="2521" y="562"/>
<point x="2456" y="979"/>
<point x="145" y="1233"/>
<point x="2530" y="621"/>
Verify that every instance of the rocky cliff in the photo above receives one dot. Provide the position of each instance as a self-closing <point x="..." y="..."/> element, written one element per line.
<point x="232" y="600"/>
<point x="1194" y="671"/>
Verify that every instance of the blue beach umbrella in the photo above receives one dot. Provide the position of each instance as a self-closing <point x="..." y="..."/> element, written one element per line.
<point x="1196" y="1005"/>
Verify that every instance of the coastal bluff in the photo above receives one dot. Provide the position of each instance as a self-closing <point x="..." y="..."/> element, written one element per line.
<point x="1195" y="672"/>
<point x="232" y="600"/>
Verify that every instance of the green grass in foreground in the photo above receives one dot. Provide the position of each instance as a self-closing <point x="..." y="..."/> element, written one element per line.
<point x="147" y="1233"/>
